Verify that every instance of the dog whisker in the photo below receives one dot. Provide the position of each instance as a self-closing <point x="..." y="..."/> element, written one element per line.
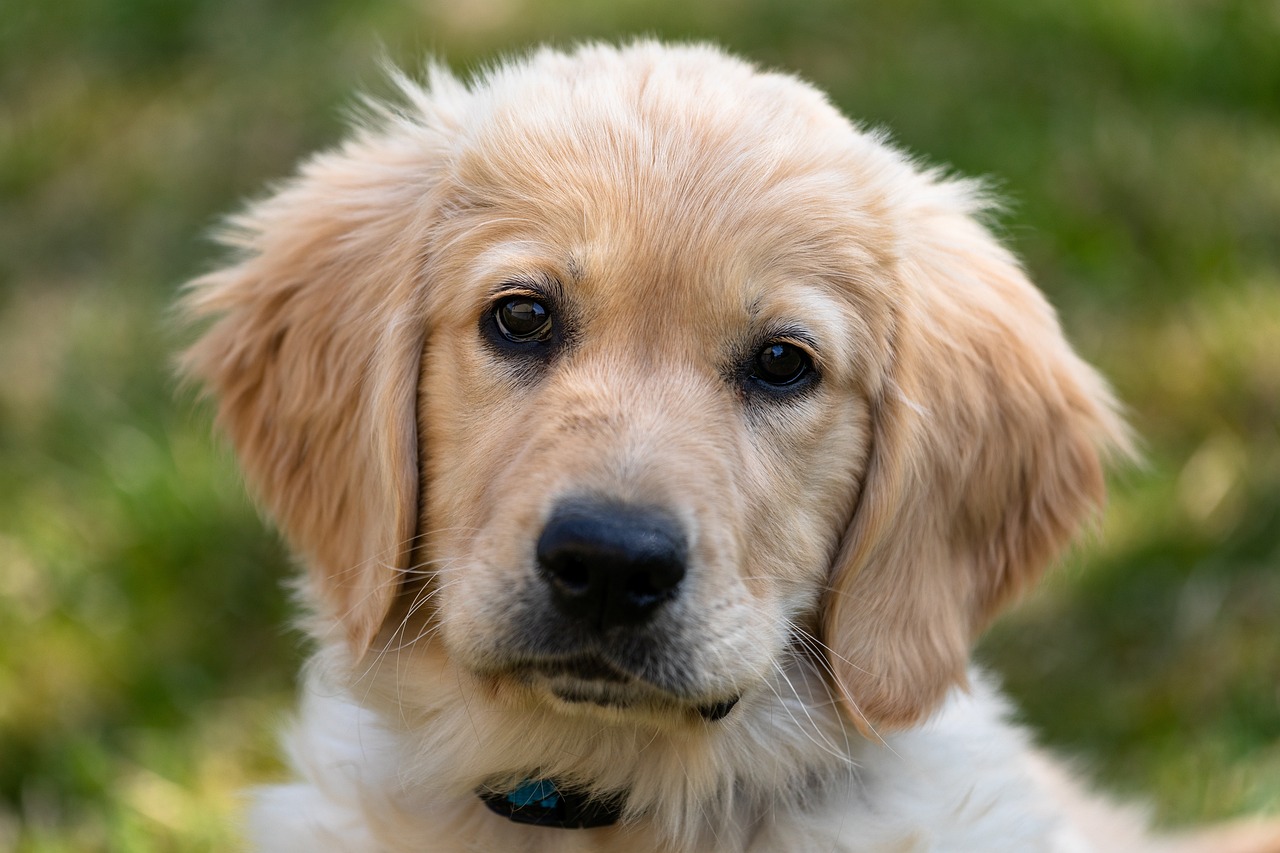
<point x="784" y="705"/>
<point x="819" y="657"/>
<point x="421" y="598"/>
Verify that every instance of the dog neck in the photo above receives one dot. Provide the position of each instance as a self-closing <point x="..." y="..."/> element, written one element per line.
<point x="442" y="739"/>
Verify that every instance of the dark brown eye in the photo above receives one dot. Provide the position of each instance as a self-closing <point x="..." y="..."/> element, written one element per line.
<point x="523" y="319"/>
<point x="780" y="363"/>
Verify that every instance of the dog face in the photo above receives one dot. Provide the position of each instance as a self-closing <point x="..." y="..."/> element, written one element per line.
<point x="664" y="431"/>
<point x="606" y="381"/>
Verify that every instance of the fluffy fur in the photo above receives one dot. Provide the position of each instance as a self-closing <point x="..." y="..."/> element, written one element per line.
<point x="677" y="209"/>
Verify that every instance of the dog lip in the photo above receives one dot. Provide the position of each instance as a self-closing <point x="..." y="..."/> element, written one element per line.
<point x="586" y="667"/>
<point x="577" y="695"/>
<point x="591" y="679"/>
<point x="716" y="711"/>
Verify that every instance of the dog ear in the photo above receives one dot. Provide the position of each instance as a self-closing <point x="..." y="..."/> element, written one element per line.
<point x="313" y="357"/>
<point x="989" y="435"/>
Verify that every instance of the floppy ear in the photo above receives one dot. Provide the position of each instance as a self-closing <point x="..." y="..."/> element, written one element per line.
<point x="986" y="453"/>
<point x="313" y="358"/>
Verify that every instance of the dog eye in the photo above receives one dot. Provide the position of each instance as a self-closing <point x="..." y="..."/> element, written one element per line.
<point x="780" y="363"/>
<point x="523" y="319"/>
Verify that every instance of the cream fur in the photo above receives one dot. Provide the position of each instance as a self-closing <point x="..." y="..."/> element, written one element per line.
<point x="676" y="207"/>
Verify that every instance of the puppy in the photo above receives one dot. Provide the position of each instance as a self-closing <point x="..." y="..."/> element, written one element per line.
<point x="657" y="443"/>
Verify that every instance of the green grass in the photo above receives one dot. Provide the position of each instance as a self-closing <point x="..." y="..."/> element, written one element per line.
<point x="143" y="660"/>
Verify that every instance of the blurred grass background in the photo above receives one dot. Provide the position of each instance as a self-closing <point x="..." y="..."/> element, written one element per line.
<point x="143" y="662"/>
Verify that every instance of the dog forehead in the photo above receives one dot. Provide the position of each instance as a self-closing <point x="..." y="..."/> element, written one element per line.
<point x="600" y="102"/>
<point x="671" y="147"/>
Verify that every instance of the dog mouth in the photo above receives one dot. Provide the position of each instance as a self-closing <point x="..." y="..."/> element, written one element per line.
<point x="585" y="667"/>
<point x="588" y="679"/>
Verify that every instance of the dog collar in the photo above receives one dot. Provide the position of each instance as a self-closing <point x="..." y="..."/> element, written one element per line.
<point x="545" y="802"/>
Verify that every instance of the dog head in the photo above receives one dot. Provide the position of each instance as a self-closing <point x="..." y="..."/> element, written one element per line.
<point x="614" y="375"/>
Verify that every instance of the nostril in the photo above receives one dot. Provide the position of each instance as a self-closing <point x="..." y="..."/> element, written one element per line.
<point x="570" y="575"/>
<point x="640" y="588"/>
<point x="652" y="584"/>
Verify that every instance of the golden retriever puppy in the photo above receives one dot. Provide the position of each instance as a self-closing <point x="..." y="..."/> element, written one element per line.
<point x="657" y="443"/>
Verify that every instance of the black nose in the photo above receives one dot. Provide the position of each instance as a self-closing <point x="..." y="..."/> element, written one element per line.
<point x="610" y="564"/>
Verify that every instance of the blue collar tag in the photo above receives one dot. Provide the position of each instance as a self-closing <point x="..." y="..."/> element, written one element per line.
<point x="543" y="802"/>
